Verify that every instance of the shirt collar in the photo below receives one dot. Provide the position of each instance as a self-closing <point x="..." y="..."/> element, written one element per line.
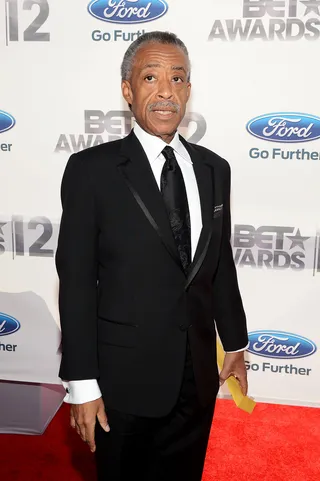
<point x="153" y="146"/>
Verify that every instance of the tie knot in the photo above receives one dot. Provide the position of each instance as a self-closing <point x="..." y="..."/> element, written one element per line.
<point x="168" y="154"/>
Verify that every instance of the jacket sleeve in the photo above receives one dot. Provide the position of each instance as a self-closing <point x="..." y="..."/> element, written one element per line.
<point x="76" y="262"/>
<point x="228" y="309"/>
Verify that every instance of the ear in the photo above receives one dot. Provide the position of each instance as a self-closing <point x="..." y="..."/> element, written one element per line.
<point x="188" y="90"/>
<point x="127" y="91"/>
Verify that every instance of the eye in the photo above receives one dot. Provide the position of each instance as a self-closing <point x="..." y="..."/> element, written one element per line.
<point x="177" y="79"/>
<point x="149" y="78"/>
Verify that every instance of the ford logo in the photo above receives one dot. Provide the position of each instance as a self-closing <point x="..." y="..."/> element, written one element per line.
<point x="285" y="127"/>
<point x="127" y="11"/>
<point x="6" y="121"/>
<point x="8" y="324"/>
<point x="280" y="345"/>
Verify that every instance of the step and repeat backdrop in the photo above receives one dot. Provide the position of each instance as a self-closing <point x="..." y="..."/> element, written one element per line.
<point x="255" y="101"/>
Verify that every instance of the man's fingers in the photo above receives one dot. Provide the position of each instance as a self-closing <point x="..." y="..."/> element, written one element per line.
<point x="103" y="420"/>
<point x="82" y="432"/>
<point x="241" y="378"/>
<point x="72" y="421"/>
<point x="234" y="365"/>
<point x="86" y="433"/>
<point x="84" y="416"/>
<point x="90" y="437"/>
<point x="223" y="376"/>
<point x="243" y="384"/>
<point x="78" y="429"/>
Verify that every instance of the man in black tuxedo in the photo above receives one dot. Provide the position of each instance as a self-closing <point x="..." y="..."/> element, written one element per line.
<point x="146" y="273"/>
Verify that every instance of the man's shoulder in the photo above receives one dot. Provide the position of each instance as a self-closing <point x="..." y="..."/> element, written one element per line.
<point x="106" y="153"/>
<point x="211" y="158"/>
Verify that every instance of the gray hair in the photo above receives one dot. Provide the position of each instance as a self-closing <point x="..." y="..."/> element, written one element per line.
<point x="166" y="38"/>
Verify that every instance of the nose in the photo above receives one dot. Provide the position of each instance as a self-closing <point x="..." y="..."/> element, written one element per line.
<point x="165" y="89"/>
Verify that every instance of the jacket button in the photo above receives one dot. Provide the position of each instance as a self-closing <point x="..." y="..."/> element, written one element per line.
<point x="183" y="327"/>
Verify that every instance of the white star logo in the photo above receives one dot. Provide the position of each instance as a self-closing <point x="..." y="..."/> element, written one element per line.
<point x="297" y="240"/>
<point x="312" y="6"/>
<point x="2" y="224"/>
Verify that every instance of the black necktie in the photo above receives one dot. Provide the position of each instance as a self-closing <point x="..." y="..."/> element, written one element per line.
<point x="175" y="198"/>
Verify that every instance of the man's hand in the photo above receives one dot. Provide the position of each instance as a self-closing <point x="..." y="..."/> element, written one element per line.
<point x="83" y="419"/>
<point x="234" y="365"/>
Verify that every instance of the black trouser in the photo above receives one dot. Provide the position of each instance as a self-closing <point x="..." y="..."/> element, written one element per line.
<point x="171" y="448"/>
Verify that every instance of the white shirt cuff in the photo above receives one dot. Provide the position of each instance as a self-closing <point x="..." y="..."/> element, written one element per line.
<point x="80" y="392"/>
<point x="240" y="350"/>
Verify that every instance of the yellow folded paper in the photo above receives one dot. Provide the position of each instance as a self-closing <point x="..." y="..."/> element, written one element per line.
<point x="243" y="402"/>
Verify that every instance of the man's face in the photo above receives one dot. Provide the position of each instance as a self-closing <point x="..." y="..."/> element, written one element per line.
<point x="158" y="89"/>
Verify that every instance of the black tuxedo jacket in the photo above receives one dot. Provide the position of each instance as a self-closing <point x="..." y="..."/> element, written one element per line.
<point x="126" y="305"/>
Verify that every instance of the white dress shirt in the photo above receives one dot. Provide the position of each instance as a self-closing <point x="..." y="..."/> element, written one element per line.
<point x="79" y="392"/>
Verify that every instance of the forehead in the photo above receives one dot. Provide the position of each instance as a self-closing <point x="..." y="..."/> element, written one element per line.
<point x="160" y="55"/>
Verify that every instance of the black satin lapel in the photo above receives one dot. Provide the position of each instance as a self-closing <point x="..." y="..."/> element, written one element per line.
<point x="204" y="175"/>
<point x="139" y="177"/>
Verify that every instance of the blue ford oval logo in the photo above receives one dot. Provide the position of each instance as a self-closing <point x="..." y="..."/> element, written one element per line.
<point x="280" y="345"/>
<point x="127" y="11"/>
<point x="8" y="324"/>
<point x="288" y="127"/>
<point x="6" y="121"/>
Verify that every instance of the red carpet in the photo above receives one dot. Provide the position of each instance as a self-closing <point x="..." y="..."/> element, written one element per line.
<point x="275" y="443"/>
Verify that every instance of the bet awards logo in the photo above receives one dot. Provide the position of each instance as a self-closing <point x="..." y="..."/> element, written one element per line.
<point x="100" y="127"/>
<point x="271" y="20"/>
<point x="275" y="247"/>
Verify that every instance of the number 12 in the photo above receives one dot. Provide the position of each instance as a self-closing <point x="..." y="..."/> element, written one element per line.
<point x="31" y="33"/>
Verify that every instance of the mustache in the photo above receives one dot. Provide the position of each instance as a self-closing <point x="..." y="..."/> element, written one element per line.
<point x="164" y="105"/>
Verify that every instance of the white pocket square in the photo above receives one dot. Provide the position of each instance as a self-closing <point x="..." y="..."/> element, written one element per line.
<point x="217" y="211"/>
